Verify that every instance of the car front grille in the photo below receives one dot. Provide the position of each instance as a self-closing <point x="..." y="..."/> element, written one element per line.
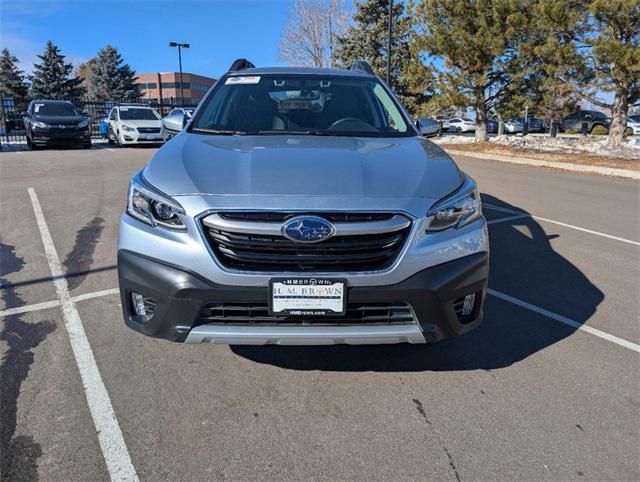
<point x="255" y="251"/>
<point x="258" y="314"/>
<point x="149" y="130"/>
<point x="267" y="216"/>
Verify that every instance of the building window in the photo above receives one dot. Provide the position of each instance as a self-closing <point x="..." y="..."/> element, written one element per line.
<point x="147" y="85"/>
<point x="176" y="85"/>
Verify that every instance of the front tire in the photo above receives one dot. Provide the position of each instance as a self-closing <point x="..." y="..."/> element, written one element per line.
<point x="110" y="135"/>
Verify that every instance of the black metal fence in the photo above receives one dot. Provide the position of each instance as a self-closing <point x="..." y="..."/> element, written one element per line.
<point x="12" y="123"/>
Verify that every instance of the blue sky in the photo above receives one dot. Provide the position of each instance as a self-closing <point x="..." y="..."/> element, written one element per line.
<point x="218" y="31"/>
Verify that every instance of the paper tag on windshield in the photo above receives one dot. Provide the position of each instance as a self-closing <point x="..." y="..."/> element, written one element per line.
<point x="252" y="79"/>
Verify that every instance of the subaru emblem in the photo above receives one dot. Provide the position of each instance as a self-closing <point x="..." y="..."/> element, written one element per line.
<point x="308" y="229"/>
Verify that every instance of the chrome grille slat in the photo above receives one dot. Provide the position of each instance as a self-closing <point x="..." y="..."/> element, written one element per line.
<point x="252" y="241"/>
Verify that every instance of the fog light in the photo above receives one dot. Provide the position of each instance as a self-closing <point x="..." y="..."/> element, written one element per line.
<point x="142" y="305"/>
<point x="469" y="301"/>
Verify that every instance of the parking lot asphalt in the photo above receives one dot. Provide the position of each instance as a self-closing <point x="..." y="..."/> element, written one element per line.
<point x="546" y="388"/>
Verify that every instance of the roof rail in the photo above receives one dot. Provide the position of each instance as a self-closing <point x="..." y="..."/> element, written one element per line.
<point x="362" y="66"/>
<point x="241" y="64"/>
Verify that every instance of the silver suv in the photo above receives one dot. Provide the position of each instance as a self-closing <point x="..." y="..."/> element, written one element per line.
<point x="301" y="206"/>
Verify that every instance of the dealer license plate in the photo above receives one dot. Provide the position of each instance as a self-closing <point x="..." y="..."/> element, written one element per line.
<point x="307" y="296"/>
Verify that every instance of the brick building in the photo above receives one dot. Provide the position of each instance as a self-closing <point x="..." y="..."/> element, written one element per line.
<point x="166" y="86"/>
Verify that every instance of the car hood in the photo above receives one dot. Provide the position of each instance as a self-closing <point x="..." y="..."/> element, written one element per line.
<point x="58" y="119"/>
<point x="302" y="166"/>
<point x="142" y="123"/>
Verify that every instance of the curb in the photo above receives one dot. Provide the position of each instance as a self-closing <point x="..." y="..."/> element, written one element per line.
<point x="565" y="166"/>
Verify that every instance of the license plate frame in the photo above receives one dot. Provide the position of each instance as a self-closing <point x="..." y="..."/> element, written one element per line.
<point x="283" y="305"/>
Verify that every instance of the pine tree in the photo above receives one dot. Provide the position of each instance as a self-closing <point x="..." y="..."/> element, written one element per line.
<point x="111" y="79"/>
<point x="614" y="58"/>
<point x="367" y="39"/>
<point x="477" y="42"/>
<point x="12" y="81"/>
<point x="547" y="71"/>
<point x="82" y="71"/>
<point x="53" y="77"/>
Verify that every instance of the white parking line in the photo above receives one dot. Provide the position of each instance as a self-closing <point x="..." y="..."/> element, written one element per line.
<point x="55" y="303"/>
<point x="27" y="308"/>
<point x="112" y="443"/>
<point x="567" y="321"/>
<point x="497" y="294"/>
<point x="96" y="294"/>
<point x="546" y="220"/>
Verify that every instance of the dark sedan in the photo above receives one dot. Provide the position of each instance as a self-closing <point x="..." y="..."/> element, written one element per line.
<point x="56" y="122"/>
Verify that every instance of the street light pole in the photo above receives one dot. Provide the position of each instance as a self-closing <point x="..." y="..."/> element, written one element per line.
<point x="180" y="47"/>
<point x="389" y="43"/>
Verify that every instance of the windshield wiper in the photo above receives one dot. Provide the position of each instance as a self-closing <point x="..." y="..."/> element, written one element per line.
<point x="219" y="132"/>
<point x="293" y="133"/>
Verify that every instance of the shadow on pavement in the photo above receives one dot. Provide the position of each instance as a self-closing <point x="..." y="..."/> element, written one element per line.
<point x="523" y="265"/>
<point x="19" y="454"/>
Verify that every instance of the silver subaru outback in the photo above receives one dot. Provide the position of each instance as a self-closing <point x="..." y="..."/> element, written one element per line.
<point x="300" y="206"/>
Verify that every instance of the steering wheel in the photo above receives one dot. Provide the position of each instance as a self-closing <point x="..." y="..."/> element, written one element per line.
<point x="344" y="120"/>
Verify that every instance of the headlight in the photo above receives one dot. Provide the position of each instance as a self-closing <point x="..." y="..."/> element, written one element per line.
<point x="39" y="124"/>
<point x="153" y="207"/>
<point x="83" y="123"/>
<point x="456" y="210"/>
<point x="125" y="127"/>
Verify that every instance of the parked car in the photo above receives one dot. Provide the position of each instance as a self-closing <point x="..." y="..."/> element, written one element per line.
<point x="536" y="125"/>
<point x="459" y="125"/>
<point x="492" y="126"/>
<point x="593" y="118"/>
<point x="633" y="123"/>
<point x="134" y="124"/>
<point x="513" y="126"/>
<point x="427" y="126"/>
<point x="172" y="124"/>
<point x="56" y="122"/>
<point x="517" y="125"/>
<point x="294" y="209"/>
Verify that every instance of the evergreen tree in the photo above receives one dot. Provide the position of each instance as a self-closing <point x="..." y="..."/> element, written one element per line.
<point x="12" y="81"/>
<point x="82" y="71"/>
<point x="111" y="79"/>
<point x="477" y="40"/>
<point x="547" y="73"/>
<point x="614" y="58"/>
<point x="366" y="40"/>
<point x="53" y="78"/>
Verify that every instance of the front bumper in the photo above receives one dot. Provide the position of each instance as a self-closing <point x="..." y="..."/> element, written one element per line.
<point x="46" y="136"/>
<point x="135" y="137"/>
<point x="180" y="296"/>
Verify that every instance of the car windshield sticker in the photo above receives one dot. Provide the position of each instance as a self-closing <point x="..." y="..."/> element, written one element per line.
<point x="124" y="108"/>
<point x="36" y="108"/>
<point x="253" y="79"/>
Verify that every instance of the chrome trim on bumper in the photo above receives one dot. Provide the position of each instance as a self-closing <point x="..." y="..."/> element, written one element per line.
<point x="305" y="335"/>
<point x="396" y="223"/>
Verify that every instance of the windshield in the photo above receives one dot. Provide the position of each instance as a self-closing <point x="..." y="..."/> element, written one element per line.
<point x="57" y="108"/>
<point x="129" y="113"/>
<point x="634" y="118"/>
<point x="305" y="104"/>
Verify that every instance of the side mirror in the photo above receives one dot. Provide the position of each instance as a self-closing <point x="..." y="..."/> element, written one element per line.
<point x="174" y="123"/>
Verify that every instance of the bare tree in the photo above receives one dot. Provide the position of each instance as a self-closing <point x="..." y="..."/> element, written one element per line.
<point x="311" y="31"/>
